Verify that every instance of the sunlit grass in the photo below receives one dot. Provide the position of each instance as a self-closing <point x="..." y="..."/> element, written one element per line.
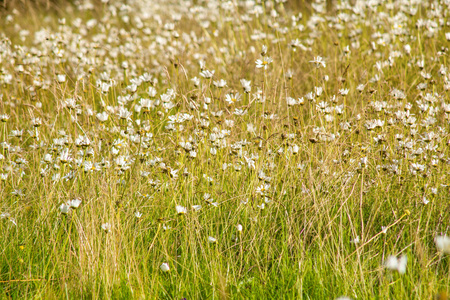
<point x="223" y="150"/>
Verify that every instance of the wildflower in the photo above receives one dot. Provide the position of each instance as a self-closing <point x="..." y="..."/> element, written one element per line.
<point x="102" y="117"/>
<point x="106" y="227"/>
<point x="181" y="210"/>
<point x="74" y="203"/>
<point x="289" y="74"/>
<point x="264" y="50"/>
<point x="4" y="118"/>
<point x="212" y="240"/>
<point x="356" y="240"/>
<point x="239" y="227"/>
<point x="262" y="189"/>
<point x="239" y="112"/>
<point x="17" y="133"/>
<point x="196" y="207"/>
<point x="263" y="63"/>
<point x="443" y="243"/>
<point x="138" y="214"/>
<point x="61" y="78"/>
<point x="397" y="94"/>
<point x="343" y="92"/>
<point x="232" y="98"/>
<point x="318" y="61"/>
<point x="164" y="267"/>
<point x="207" y="74"/>
<point x="192" y="154"/>
<point x="396" y="264"/>
<point x="64" y="208"/>
<point x="196" y="81"/>
<point x="36" y="122"/>
<point x="174" y="173"/>
<point x="318" y="90"/>
<point x="220" y="83"/>
<point x="124" y="114"/>
<point x="291" y="101"/>
<point x="246" y="85"/>
<point x="17" y="192"/>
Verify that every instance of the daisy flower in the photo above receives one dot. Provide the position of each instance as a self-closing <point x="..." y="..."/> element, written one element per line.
<point x="318" y="61"/>
<point x="263" y="63"/>
<point x="232" y="98"/>
<point x="181" y="210"/>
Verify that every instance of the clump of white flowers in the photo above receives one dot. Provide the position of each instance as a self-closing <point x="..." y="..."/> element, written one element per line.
<point x="395" y="263"/>
<point x="70" y="204"/>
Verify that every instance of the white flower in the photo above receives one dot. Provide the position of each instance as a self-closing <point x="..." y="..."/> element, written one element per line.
<point x="246" y="85"/>
<point x="196" y="207"/>
<point x="181" y="210"/>
<point x="212" y="240"/>
<point x="106" y="227"/>
<point x="396" y="264"/>
<point x="443" y="243"/>
<point x="102" y="117"/>
<point x="61" y="78"/>
<point x="196" y="81"/>
<point x="74" y="203"/>
<point x="356" y="240"/>
<point x="138" y="214"/>
<point x="318" y="61"/>
<point x="262" y="189"/>
<point x="239" y="227"/>
<point x="263" y="63"/>
<point x="124" y="113"/>
<point x="5" y="117"/>
<point x="220" y="83"/>
<point x="232" y="98"/>
<point x="207" y="74"/>
<point x="164" y="267"/>
<point x="291" y="101"/>
<point x="264" y="50"/>
<point x="343" y="92"/>
<point x="64" y="208"/>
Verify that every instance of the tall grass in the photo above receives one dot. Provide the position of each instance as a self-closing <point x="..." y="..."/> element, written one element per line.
<point x="329" y="169"/>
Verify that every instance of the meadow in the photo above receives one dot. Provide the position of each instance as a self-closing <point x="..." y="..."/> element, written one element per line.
<point x="240" y="149"/>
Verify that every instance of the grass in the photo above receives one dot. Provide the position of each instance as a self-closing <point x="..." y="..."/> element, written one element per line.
<point x="326" y="186"/>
